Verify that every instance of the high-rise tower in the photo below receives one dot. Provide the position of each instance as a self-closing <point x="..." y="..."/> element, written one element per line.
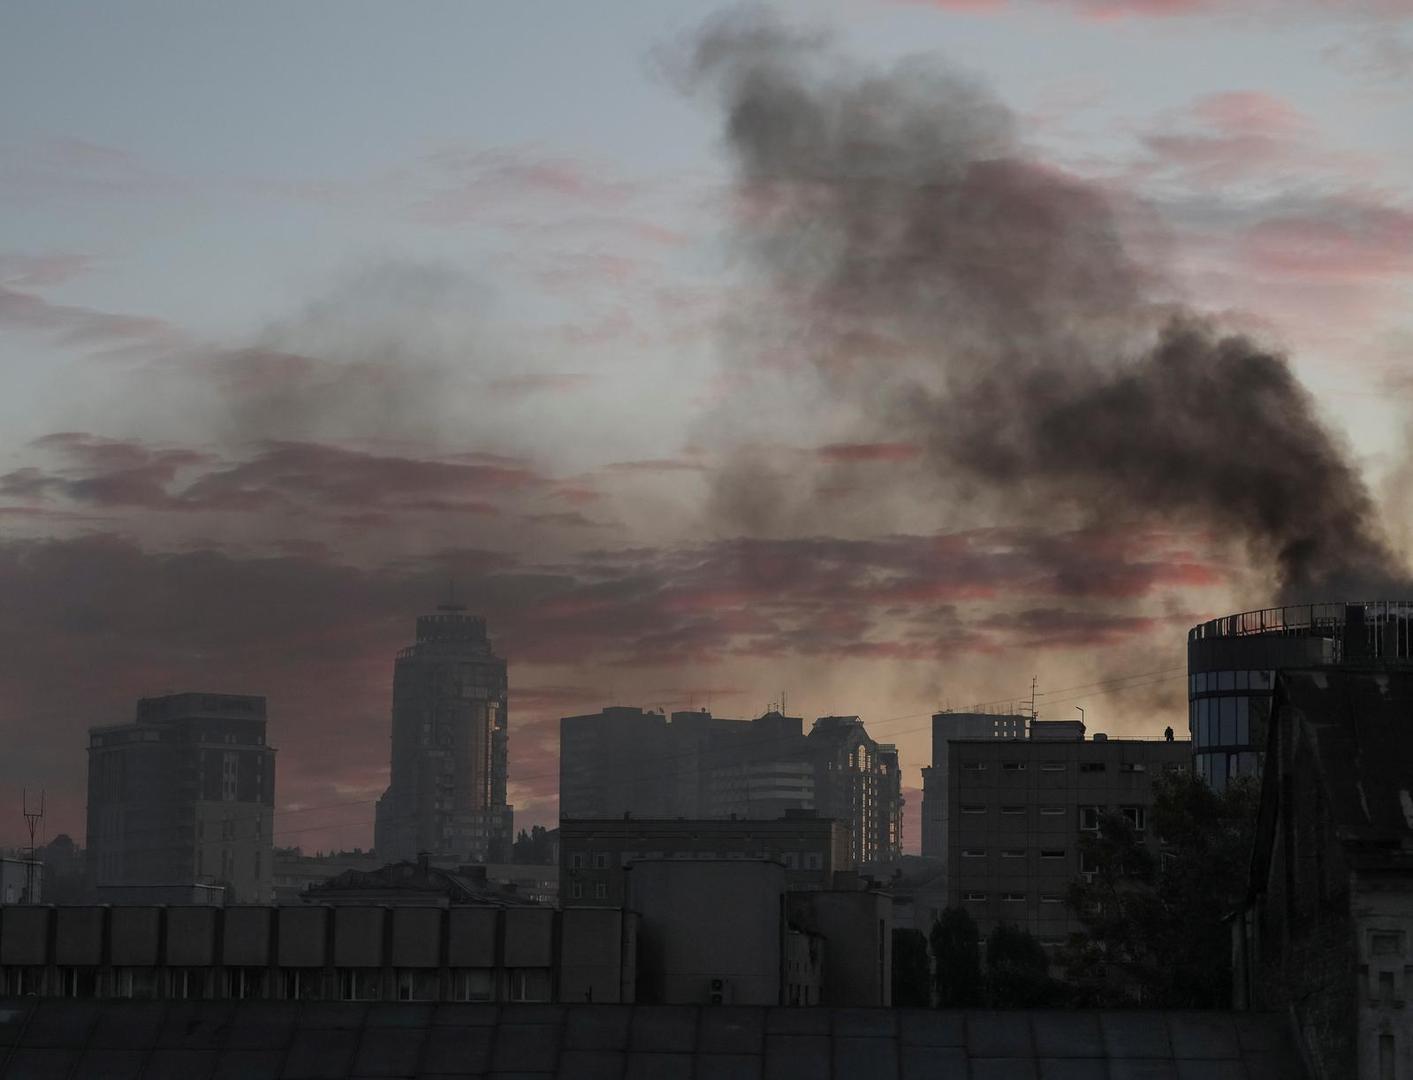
<point x="447" y="792"/>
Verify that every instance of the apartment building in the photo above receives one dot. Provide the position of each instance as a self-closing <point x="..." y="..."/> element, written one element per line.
<point x="1018" y="810"/>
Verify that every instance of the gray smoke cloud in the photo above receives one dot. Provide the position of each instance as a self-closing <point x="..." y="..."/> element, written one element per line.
<point x="966" y="295"/>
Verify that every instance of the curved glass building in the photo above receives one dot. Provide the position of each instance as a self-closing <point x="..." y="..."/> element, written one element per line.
<point x="1231" y="665"/>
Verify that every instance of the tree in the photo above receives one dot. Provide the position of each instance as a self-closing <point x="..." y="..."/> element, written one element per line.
<point x="956" y="951"/>
<point x="912" y="972"/>
<point x="533" y="848"/>
<point x="1155" y="928"/>
<point x="1017" y="971"/>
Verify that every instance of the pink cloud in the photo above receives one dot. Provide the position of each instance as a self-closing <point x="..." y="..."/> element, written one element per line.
<point x="870" y="452"/>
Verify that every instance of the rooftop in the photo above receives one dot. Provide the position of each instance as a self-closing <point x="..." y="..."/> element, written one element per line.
<point x="343" y="1039"/>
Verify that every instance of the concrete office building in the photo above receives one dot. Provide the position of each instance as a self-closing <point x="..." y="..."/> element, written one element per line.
<point x="1019" y="808"/>
<point x="447" y="794"/>
<point x="594" y="855"/>
<point x="694" y="765"/>
<point x="947" y="726"/>
<point x="1231" y="665"/>
<point x="183" y="796"/>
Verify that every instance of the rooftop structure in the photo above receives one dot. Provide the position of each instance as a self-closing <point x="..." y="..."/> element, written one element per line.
<point x="1231" y="665"/>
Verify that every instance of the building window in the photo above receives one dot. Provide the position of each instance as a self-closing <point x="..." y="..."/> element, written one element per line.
<point x="576" y="861"/>
<point x="186" y="984"/>
<point x="600" y="891"/>
<point x="418" y="984"/>
<point x="301" y="984"/>
<point x="473" y="984"/>
<point x="974" y="897"/>
<point x="973" y="809"/>
<point x="1092" y="766"/>
<point x="973" y="766"/>
<point x="22" y="981"/>
<point x="1089" y="818"/>
<point x="1013" y="809"/>
<point x="973" y="853"/>
<point x="1013" y="897"/>
<point x="1050" y="811"/>
<point x="245" y="982"/>
<point x="576" y="891"/>
<point x="1013" y="766"/>
<point x="1051" y="898"/>
<point x="1052" y="853"/>
<point x="78" y="982"/>
<point x="360" y="984"/>
<point x="139" y="983"/>
<point x="1013" y="853"/>
<point x="529" y="984"/>
<point x="601" y="860"/>
<point x="814" y="861"/>
<point x="1052" y="766"/>
<point x="1132" y="766"/>
<point x="1137" y="816"/>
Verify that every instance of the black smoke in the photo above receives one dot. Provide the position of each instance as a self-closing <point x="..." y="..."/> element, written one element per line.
<point x="967" y="295"/>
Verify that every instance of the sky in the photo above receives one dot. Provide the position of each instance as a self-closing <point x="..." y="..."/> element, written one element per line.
<point x="716" y="354"/>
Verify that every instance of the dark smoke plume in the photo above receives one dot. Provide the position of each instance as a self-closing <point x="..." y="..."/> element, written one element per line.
<point x="970" y="296"/>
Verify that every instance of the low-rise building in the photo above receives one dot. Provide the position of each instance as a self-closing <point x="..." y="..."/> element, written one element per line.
<point x="595" y="854"/>
<point x="1018" y="810"/>
<point x="1327" y="934"/>
<point x="947" y="726"/>
<point x="21" y="880"/>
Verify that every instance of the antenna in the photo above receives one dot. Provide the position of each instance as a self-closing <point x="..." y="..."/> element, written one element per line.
<point x="1033" y="680"/>
<point x="32" y="819"/>
<point x="782" y="703"/>
<point x="451" y="603"/>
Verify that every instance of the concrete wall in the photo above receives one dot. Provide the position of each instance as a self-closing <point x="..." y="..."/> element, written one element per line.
<point x="857" y="928"/>
<point x="707" y="921"/>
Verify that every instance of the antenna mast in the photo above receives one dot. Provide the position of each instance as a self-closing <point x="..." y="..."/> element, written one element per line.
<point x="32" y="819"/>
<point x="1033" y="680"/>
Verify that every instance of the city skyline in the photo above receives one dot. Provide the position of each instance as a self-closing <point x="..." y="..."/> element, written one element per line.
<point x="283" y="352"/>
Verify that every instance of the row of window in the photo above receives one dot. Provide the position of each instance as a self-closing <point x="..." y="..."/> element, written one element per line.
<point x="1014" y="853"/>
<point x="1209" y="682"/>
<point x="1088" y="815"/>
<point x="1058" y="766"/>
<point x="1011" y="897"/>
<point x="292" y="984"/>
<point x="1220" y="721"/>
<point x="603" y="860"/>
<point x="1216" y="769"/>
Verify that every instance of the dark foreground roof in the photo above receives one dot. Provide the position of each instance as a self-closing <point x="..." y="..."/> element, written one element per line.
<point x="303" y="1041"/>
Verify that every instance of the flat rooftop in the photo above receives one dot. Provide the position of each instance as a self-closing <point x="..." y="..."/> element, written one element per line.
<point x="280" y="1040"/>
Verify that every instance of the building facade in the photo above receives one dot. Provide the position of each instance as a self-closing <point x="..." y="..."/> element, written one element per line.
<point x="694" y="765"/>
<point x="1232" y="661"/>
<point x="947" y="726"/>
<point x="1019" y="808"/>
<point x="184" y="795"/>
<point x="447" y="791"/>
<point x="858" y="781"/>
<point x="596" y="854"/>
<point x="1327" y="934"/>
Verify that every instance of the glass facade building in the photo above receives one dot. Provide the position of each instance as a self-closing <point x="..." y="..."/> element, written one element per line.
<point x="1231" y="665"/>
